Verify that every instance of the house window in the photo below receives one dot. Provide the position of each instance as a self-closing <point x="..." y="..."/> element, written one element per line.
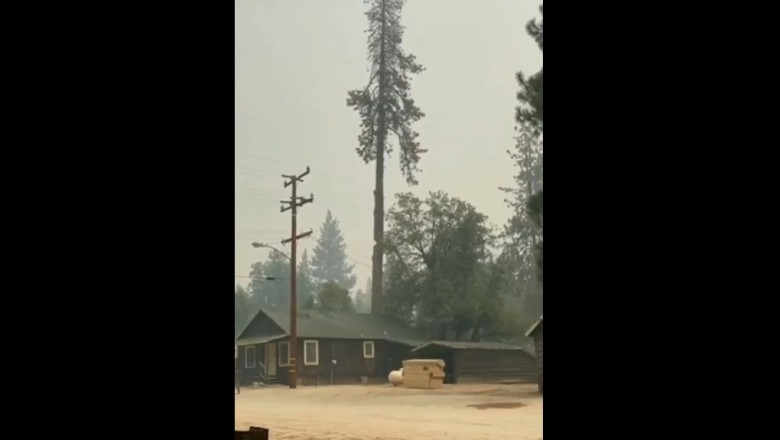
<point x="368" y="349"/>
<point x="284" y="354"/>
<point x="249" y="357"/>
<point x="311" y="353"/>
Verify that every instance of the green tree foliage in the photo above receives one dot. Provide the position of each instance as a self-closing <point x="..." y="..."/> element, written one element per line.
<point x="305" y="282"/>
<point x="531" y="94"/>
<point x="334" y="298"/>
<point x="534" y="99"/>
<point x="270" y="281"/>
<point x="386" y="108"/>
<point x="535" y="211"/>
<point x="329" y="262"/>
<point x="363" y="298"/>
<point x="530" y="117"/>
<point x="521" y="235"/>
<point x="441" y="277"/>
<point x="492" y="317"/>
<point x="243" y="311"/>
<point x="274" y="292"/>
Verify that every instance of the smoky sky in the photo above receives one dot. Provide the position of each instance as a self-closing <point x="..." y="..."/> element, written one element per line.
<point x="296" y="60"/>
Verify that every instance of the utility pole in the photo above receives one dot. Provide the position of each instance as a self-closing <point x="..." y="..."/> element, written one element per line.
<point x="293" y="205"/>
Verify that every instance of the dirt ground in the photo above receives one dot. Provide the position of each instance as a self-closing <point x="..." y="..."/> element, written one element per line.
<point x="384" y="412"/>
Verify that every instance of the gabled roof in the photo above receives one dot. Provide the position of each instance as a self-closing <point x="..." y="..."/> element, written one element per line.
<point x="259" y="340"/>
<point x="460" y="345"/>
<point x="330" y="325"/>
<point x="533" y="327"/>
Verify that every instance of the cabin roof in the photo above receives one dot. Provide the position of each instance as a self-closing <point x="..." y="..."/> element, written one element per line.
<point x="332" y="325"/>
<point x="534" y="327"/>
<point x="462" y="345"/>
<point x="438" y="362"/>
<point x="259" y="339"/>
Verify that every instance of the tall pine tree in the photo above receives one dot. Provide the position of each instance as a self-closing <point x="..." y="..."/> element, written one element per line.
<point x="521" y="234"/>
<point x="531" y="112"/>
<point x="531" y="94"/>
<point x="522" y="253"/>
<point x="386" y="107"/>
<point x="329" y="262"/>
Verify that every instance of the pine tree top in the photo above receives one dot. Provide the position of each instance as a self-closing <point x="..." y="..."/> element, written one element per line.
<point x="329" y="260"/>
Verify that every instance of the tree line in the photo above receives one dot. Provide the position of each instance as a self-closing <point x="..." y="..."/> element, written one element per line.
<point x="323" y="281"/>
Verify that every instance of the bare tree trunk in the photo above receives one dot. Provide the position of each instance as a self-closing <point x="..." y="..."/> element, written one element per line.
<point x="379" y="229"/>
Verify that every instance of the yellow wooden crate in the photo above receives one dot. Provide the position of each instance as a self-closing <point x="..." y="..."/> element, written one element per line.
<point x="423" y="373"/>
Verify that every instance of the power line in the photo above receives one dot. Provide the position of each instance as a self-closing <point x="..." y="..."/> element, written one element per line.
<point x="244" y="238"/>
<point x="345" y="204"/>
<point x="297" y="92"/>
<point x="338" y="177"/>
<point x="259" y="230"/>
<point x="268" y="278"/>
<point x="341" y="192"/>
<point x="359" y="262"/>
<point x="337" y="195"/>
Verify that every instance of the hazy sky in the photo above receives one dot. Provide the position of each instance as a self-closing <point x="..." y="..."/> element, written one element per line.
<point x="295" y="62"/>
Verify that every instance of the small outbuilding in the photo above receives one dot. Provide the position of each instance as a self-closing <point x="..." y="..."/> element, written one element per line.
<point x="480" y="362"/>
<point x="537" y="332"/>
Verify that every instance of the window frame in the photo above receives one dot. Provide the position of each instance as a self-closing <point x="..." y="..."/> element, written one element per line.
<point x="246" y="356"/>
<point x="306" y="360"/>
<point x="280" y="361"/>
<point x="373" y="349"/>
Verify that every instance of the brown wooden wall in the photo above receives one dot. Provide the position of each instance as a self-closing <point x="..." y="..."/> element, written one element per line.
<point x="350" y="364"/>
<point x="538" y="336"/>
<point x="249" y="375"/>
<point x="493" y="366"/>
<point x="349" y="368"/>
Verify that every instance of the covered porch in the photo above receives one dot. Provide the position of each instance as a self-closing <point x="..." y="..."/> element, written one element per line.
<point x="257" y="361"/>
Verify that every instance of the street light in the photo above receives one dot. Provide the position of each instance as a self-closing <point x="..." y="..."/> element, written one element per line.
<point x="264" y="245"/>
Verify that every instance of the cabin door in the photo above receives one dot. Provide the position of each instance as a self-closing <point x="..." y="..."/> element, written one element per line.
<point x="270" y="359"/>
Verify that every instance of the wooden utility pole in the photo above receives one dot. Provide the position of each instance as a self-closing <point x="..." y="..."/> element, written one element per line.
<point x="293" y="205"/>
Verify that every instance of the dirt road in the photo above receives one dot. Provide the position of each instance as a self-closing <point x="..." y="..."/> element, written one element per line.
<point x="456" y="412"/>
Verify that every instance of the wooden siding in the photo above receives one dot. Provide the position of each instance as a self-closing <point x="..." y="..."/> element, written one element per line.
<point x="249" y="375"/>
<point x="350" y="363"/>
<point x="494" y="366"/>
<point x="538" y="336"/>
